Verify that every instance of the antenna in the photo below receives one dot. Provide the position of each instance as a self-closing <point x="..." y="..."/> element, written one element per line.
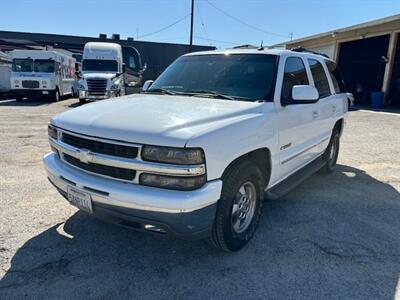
<point x="261" y="46"/>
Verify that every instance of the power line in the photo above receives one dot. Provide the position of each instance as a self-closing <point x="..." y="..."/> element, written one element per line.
<point x="166" y="27"/>
<point x="203" y="26"/>
<point x="217" y="41"/>
<point x="245" y="23"/>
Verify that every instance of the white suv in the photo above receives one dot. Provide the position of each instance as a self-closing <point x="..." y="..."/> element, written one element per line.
<point x="197" y="152"/>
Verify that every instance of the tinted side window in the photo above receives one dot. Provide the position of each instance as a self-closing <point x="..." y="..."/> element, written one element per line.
<point x="336" y="76"/>
<point x="294" y="74"/>
<point x="320" y="80"/>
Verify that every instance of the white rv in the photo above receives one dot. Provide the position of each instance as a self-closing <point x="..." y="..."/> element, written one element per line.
<point x="102" y="72"/>
<point x="5" y="73"/>
<point x="42" y="73"/>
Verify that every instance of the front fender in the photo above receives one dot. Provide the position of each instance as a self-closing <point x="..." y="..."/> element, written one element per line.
<point x="225" y="143"/>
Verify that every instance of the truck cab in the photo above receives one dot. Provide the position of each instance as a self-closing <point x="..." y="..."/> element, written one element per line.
<point x="102" y="72"/>
<point x="42" y="73"/>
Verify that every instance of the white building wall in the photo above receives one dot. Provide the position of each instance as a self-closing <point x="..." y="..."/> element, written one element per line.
<point x="326" y="49"/>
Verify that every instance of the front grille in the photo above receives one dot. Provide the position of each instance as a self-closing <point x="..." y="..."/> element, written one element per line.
<point x="119" y="173"/>
<point x="30" y="84"/>
<point x="100" y="147"/>
<point x="97" y="87"/>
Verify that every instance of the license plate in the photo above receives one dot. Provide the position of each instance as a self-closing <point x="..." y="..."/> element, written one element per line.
<point x="80" y="199"/>
<point x="45" y="92"/>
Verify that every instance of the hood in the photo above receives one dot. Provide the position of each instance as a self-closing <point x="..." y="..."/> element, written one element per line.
<point x="98" y="75"/>
<point x="154" y="119"/>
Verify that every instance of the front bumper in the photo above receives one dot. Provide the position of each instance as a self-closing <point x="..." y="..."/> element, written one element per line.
<point x="185" y="214"/>
<point x="83" y="94"/>
<point x="31" y="92"/>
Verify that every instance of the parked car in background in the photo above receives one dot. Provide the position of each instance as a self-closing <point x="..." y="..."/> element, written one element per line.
<point x="102" y="72"/>
<point x="5" y="73"/>
<point x="42" y="73"/>
<point x="195" y="154"/>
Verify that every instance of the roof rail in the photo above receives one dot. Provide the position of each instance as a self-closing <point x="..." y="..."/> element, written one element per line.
<point x="301" y="49"/>
<point x="247" y="46"/>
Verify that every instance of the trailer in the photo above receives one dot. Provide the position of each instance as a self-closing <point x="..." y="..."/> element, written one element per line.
<point x="42" y="74"/>
<point x="5" y="73"/>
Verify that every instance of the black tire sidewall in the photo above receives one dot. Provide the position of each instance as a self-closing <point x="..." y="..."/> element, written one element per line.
<point x="329" y="165"/>
<point x="242" y="173"/>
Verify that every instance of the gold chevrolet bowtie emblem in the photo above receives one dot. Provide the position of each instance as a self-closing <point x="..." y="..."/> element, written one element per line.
<point x="85" y="156"/>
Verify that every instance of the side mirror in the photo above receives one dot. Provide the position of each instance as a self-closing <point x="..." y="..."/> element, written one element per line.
<point x="304" y="94"/>
<point x="123" y="68"/>
<point x="144" y="67"/>
<point x="76" y="67"/>
<point x="147" y="85"/>
<point x="78" y="74"/>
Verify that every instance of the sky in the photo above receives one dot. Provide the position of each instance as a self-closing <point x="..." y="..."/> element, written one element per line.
<point x="220" y="23"/>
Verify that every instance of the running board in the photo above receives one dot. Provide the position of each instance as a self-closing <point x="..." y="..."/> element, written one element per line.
<point x="295" y="179"/>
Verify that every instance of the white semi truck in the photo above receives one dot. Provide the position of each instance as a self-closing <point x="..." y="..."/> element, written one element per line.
<point x="42" y="73"/>
<point x="102" y="74"/>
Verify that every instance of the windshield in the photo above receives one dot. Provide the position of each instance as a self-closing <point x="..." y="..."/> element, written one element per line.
<point x="44" y="65"/>
<point x="22" y="65"/>
<point x="246" y="76"/>
<point x="100" y="65"/>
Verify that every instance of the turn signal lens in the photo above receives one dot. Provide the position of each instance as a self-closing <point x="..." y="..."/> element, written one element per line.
<point x="52" y="131"/>
<point x="172" y="182"/>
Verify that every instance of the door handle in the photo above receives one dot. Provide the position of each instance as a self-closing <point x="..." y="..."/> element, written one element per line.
<point x="334" y="108"/>
<point x="315" y="114"/>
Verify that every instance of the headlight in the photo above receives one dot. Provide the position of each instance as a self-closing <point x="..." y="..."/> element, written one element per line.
<point x="52" y="131"/>
<point x="115" y="86"/>
<point x="172" y="182"/>
<point x="44" y="82"/>
<point x="16" y="81"/>
<point x="179" y="156"/>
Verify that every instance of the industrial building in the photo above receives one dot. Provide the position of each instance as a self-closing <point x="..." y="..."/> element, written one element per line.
<point x="368" y="55"/>
<point x="156" y="56"/>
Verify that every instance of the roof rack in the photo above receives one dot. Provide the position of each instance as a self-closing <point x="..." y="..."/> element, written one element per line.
<point x="247" y="46"/>
<point x="301" y="49"/>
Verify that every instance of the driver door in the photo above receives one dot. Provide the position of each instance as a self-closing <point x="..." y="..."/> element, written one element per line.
<point x="298" y="123"/>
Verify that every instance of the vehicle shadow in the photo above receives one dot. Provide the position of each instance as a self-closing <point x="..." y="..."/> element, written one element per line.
<point x="334" y="236"/>
<point x="25" y="102"/>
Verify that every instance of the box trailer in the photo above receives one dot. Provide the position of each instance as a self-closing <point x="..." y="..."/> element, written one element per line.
<point x="5" y="73"/>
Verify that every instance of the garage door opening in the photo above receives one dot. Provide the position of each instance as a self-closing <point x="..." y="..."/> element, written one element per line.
<point x="363" y="65"/>
<point x="394" y="91"/>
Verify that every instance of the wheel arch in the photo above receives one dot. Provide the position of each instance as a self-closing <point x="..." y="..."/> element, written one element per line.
<point x="261" y="157"/>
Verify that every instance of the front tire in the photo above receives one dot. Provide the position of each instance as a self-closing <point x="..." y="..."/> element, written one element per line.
<point x="331" y="153"/>
<point x="55" y="96"/>
<point x="239" y="208"/>
<point x="82" y="101"/>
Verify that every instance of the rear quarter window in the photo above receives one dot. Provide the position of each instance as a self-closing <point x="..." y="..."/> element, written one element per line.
<point x="336" y="75"/>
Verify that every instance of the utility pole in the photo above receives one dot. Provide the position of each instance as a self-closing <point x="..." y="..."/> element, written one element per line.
<point x="191" y="27"/>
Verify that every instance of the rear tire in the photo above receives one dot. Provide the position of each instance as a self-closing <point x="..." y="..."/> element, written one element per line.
<point x="331" y="153"/>
<point x="239" y="208"/>
<point x="19" y="98"/>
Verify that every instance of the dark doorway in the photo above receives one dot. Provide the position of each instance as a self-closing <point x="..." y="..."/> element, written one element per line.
<point x="363" y="65"/>
<point x="394" y="91"/>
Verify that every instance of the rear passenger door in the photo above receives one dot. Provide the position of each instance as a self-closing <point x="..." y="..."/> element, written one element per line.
<point x="326" y="100"/>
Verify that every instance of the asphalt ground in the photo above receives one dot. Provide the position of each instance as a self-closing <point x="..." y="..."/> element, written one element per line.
<point x="335" y="236"/>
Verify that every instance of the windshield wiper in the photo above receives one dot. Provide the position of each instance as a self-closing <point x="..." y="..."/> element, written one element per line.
<point x="162" y="91"/>
<point x="210" y="93"/>
<point x="216" y="95"/>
